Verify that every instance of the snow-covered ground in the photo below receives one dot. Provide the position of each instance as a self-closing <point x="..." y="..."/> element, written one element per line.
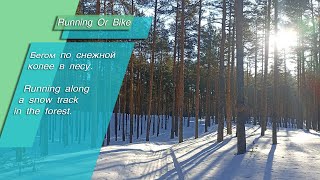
<point x="296" y="156"/>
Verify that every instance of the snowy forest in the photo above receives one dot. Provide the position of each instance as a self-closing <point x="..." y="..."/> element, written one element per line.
<point x="221" y="89"/>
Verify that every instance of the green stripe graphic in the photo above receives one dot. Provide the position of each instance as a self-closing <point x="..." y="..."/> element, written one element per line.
<point x="24" y="22"/>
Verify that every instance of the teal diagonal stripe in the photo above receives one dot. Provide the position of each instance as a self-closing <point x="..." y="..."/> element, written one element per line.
<point x="64" y="146"/>
<point x="139" y="30"/>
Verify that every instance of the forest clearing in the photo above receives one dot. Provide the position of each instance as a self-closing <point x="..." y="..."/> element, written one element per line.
<point x="220" y="89"/>
<point x="236" y="82"/>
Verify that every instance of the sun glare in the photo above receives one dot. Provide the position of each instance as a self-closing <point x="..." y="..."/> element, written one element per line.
<point x="286" y="39"/>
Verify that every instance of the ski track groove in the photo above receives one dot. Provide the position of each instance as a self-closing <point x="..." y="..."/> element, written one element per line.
<point x="181" y="161"/>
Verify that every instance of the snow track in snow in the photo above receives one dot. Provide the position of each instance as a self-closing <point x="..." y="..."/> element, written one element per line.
<point x="295" y="157"/>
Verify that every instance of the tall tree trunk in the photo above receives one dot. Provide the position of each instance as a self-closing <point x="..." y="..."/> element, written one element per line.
<point x="160" y="96"/>
<point x="188" y="111"/>
<point x="228" y="98"/>
<point x="116" y="120"/>
<point x="316" y="64"/>
<point x="139" y="107"/>
<point x="216" y="96"/>
<point x="196" y="130"/>
<point x="173" y="117"/>
<point x="318" y="73"/>
<point x="276" y="79"/>
<point x="265" y="88"/>
<point x="131" y="88"/>
<point x="131" y="100"/>
<point x="241" y="116"/>
<point x="286" y="88"/>
<point x="222" y="76"/>
<point x="124" y="100"/>
<point x="181" y="72"/>
<point x="151" y="70"/>
<point x="176" y="125"/>
<point x="255" y="101"/>
<point x="261" y="80"/>
<point x="301" y="77"/>
<point x="233" y="74"/>
<point x="108" y="135"/>
<point x="207" y="120"/>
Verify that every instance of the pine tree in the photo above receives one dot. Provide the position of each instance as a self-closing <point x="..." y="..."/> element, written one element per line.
<point x="228" y="85"/>
<point x="151" y="70"/>
<point x="276" y="79"/>
<point x="198" y="75"/>
<point x="181" y="72"/>
<point x="265" y="77"/>
<point x="131" y="89"/>
<point x="222" y="75"/>
<point x="241" y="117"/>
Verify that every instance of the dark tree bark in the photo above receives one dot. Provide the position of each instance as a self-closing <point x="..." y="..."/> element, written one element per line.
<point x="124" y="100"/>
<point x="152" y="70"/>
<point x="265" y="96"/>
<point x="241" y="116"/>
<point x="276" y="79"/>
<point x="98" y="7"/>
<point x="196" y="130"/>
<point x="228" y="93"/>
<point x="222" y="76"/>
<point x="181" y="72"/>
<point x="255" y="104"/>
<point x="116" y="120"/>
<point x="173" y="117"/>
<point x="131" y="88"/>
